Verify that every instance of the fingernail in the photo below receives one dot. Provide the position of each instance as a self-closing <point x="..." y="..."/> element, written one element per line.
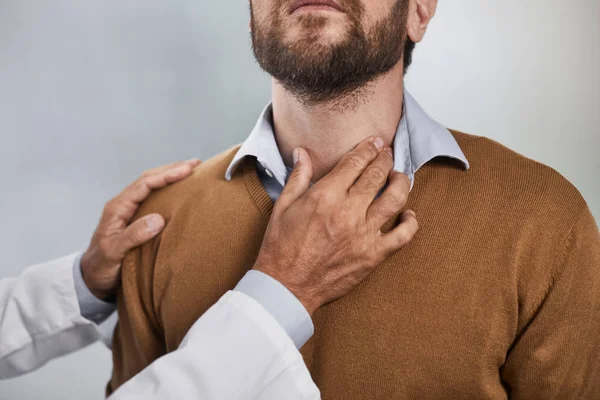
<point x="389" y="151"/>
<point x="296" y="156"/>
<point x="378" y="143"/>
<point x="414" y="214"/>
<point x="193" y="161"/>
<point x="153" y="223"/>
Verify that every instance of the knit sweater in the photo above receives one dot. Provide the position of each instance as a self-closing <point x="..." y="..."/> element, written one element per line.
<point x="496" y="297"/>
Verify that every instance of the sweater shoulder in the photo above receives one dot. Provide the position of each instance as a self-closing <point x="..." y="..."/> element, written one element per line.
<point x="529" y="185"/>
<point x="168" y="200"/>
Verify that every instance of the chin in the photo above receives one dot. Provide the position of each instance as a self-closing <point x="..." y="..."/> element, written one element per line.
<point x="318" y="32"/>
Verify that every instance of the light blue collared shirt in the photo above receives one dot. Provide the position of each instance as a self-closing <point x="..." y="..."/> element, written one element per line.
<point x="418" y="140"/>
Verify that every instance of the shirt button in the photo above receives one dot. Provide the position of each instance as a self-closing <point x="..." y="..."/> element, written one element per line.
<point x="268" y="172"/>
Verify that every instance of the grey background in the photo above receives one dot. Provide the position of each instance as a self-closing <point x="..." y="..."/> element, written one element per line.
<point x="94" y="92"/>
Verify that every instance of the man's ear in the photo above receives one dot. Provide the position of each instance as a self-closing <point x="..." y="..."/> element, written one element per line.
<point x="419" y="14"/>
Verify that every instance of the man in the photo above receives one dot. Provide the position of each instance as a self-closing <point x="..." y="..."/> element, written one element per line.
<point x="497" y="296"/>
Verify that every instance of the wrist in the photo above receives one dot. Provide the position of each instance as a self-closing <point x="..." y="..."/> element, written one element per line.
<point x="88" y="264"/>
<point x="311" y="306"/>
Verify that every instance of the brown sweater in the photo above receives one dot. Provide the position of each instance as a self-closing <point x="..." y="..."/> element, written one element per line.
<point x="498" y="295"/>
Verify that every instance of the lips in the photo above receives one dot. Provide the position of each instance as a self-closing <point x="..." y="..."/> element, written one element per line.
<point x="303" y="3"/>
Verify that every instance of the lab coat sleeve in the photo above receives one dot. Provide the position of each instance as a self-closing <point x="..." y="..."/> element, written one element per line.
<point x="40" y="317"/>
<point x="236" y="350"/>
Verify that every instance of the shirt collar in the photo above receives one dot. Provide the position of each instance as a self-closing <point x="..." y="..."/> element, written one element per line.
<point x="418" y="140"/>
<point x="262" y="144"/>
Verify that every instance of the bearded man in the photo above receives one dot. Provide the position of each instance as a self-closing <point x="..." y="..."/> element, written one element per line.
<point x="498" y="294"/>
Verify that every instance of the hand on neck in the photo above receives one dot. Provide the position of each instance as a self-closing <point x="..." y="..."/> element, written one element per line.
<point x="329" y="130"/>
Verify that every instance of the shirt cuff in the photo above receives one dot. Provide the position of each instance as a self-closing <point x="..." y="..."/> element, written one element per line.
<point x="280" y="303"/>
<point x="91" y="308"/>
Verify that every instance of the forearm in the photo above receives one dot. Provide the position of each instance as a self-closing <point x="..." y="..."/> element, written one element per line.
<point x="236" y="349"/>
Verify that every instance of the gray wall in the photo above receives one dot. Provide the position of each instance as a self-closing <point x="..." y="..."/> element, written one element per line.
<point x="94" y="92"/>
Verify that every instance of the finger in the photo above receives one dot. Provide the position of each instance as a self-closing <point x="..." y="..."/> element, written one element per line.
<point x="401" y="235"/>
<point x="354" y="163"/>
<point x="373" y="178"/>
<point x="194" y="162"/>
<point x="137" y="234"/>
<point x="299" y="180"/>
<point x="125" y="205"/>
<point x="391" y="201"/>
<point x="138" y="191"/>
<point x="171" y="176"/>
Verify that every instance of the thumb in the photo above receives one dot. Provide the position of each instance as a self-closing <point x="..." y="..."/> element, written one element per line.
<point x="139" y="233"/>
<point x="299" y="180"/>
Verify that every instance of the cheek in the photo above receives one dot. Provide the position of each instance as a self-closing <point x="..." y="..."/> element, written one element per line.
<point x="261" y="9"/>
<point x="268" y="12"/>
<point x="375" y="11"/>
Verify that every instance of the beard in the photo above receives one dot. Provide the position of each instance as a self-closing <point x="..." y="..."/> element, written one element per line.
<point x="317" y="73"/>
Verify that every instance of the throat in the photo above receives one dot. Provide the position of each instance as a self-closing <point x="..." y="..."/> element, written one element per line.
<point x="329" y="131"/>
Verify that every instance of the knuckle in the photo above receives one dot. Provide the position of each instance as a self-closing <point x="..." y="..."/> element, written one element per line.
<point x="341" y="218"/>
<point x="110" y="204"/>
<point x="137" y="187"/>
<point x="324" y="202"/>
<point x="109" y="208"/>
<point x="141" y="183"/>
<point x="369" y="149"/>
<point x="315" y="192"/>
<point x="105" y="248"/>
<point x="375" y="176"/>
<point x="404" y="237"/>
<point x="354" y="161"/>
<point x="397" y="197"/>
<point x="295" y="174"/>
<point x="135" y="236"/>
<point x="404" y="181"/>
<point x="386" y="209"/>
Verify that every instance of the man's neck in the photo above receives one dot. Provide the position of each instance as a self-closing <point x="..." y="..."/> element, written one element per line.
<point x="328" y="131"/>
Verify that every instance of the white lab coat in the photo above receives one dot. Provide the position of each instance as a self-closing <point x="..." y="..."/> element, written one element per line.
<point x="236" y="350"/>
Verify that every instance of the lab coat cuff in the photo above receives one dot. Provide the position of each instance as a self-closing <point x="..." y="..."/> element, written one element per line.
<point x="280" y="303"/>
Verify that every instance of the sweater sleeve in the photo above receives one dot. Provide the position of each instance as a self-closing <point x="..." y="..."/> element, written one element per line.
<point x="138" y="338"/>
<point x="557" y="355"/>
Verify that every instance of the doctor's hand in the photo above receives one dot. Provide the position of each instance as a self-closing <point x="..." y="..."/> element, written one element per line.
<point x="323" y="241"/>
<point x="114" y="237"/>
